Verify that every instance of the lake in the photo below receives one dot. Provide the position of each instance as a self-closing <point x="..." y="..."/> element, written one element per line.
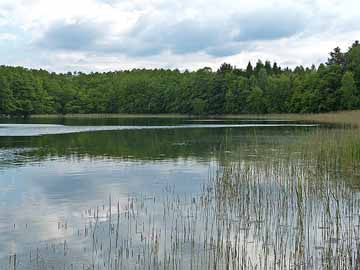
<point x="150" y="194"/>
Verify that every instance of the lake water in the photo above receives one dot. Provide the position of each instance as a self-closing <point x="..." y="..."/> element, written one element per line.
<point x="55" y="173"/>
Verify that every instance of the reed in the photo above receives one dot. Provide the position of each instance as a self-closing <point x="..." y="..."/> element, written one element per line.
<point x="351" y="118"/>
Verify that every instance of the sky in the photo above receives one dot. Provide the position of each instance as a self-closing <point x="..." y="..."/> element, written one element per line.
<point x="103" y="35"/>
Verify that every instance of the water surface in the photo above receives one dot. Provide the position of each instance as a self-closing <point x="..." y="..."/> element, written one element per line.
<point x="54" y="170"/>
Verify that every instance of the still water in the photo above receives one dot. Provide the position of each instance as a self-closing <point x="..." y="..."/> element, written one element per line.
<point x="52" y="171"/>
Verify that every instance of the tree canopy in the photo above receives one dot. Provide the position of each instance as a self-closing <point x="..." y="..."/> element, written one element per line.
<point x="261" y="88"/>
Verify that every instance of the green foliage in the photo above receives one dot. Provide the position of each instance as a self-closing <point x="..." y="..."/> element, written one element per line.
<point x="263" y="88"/>
<point x="278" y="92"/>
<point x="352" y="62"/>
<point x="348" y="97"/>
<point x="263" y="79"/>
<point x="6" y="97"/>
<point x="255" y="101"/>
<point x="199" y="106"/>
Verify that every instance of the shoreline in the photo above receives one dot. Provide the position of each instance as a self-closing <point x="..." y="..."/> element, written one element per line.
<point x="341" y="117"/>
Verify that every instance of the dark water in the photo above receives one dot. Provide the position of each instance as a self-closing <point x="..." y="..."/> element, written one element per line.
<point x="52" y="171"/>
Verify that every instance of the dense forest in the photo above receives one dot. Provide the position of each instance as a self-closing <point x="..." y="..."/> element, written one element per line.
<point x="260" y="88"/>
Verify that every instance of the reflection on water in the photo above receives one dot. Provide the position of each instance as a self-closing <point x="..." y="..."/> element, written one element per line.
<point x="55" y="188"/>
<point x="13" y="130"/>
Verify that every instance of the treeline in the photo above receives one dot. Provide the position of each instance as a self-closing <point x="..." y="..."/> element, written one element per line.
<point x="262" y="88"/>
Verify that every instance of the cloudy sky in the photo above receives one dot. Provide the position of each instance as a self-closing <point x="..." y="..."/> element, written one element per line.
<point x="99" y="35"/>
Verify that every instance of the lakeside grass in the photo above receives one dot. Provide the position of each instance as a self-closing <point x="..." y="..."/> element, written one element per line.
<point x="342" y="117"/>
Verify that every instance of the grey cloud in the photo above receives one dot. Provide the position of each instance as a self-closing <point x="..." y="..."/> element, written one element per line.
<point x="152" y="35"/>
<point x="183" y="37"/>
<point x="270" y="25"/>
<point x="72" y="36"/>
<point x="214" y="37"/>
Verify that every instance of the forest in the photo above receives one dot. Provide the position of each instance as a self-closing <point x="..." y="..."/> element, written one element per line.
<point x="263" y="87"/>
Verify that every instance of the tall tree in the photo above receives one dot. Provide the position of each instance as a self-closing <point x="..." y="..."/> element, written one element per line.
<point x="249" y="70"/>
<point x="352" y="58"/>
<point x="336" y="58"/>
<point x="224" y="68"/>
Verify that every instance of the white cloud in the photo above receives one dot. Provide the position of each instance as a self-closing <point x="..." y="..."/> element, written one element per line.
<point x="118" y="34"/>
<point x="7" y="36"/>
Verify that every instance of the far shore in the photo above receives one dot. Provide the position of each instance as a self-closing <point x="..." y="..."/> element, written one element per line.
<point x="342" y="117"/>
